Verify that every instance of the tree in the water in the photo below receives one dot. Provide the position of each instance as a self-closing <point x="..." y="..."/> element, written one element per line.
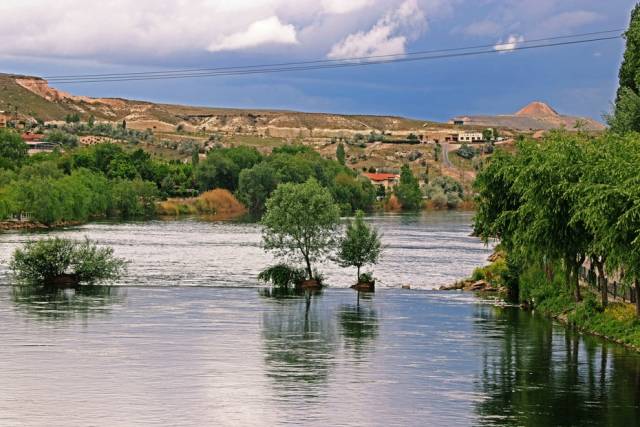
<point x="301" y="223"/>
<point x="626" y="114"/>
<point x="360" y="246"/>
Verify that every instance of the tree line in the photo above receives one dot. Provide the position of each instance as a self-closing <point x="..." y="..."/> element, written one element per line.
<point x="571" y="197"/>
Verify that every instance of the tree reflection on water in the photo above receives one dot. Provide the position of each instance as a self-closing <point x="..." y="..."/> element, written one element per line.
<point x="299" y="342"/>
<point x="51" y="303"/>
<point x="536" y="373"/>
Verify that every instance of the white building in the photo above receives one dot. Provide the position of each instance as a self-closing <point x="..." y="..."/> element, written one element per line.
<point x="470" y="137"/>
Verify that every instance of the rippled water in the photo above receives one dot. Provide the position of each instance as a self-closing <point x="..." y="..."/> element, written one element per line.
<point x="196" y="355"/>
<point x="424" y="251"/>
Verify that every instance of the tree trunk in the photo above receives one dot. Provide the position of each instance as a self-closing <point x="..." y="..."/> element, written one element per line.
<point x="637" y="286"/>
<point x="576" y="281"/>
<point x="309" y="271"/>
<point x="602" y="283"/>
<point x="358" y="274"/>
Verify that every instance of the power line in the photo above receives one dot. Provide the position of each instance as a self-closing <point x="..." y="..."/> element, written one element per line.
<point x="277" y="68"/>
<point x="320" y="61"/>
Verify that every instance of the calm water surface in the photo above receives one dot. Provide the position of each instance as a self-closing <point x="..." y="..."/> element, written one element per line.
<point x="178" y="344"/>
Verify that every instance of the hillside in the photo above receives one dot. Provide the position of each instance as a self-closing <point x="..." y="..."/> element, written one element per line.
<point x="35" y="99"/>
<point x="533" y="117"/>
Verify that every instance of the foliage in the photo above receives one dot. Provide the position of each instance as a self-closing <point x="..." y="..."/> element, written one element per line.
<point x="62" y="138"/>
<point x="300" y="222"/>
<point x="255" y="185"/>
<point x="445" y="192"/>
<point x="219" y="203"/>
<point x="282" y="275"/>
<point x="626" y="113"/>
<point x="43" y="260"/>
<point x="466" y="152"/>
<point x="360" y="245"/>
<point x="340" y="154"/>
<point x="13" y="150"/>
<point x="408" y="190"/>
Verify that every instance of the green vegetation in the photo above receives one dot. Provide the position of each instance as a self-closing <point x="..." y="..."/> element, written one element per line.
<point x="572" y="197"/>
<point x="300" y="223"/>
<point x="408" y="190"/>
<point x="81" y="184"/>
<point x="626" y="113"/>
<point x="466" y="152"/>
<point x="13" y="150"/>
<point x="282" y="275"/>
<point x="445" y="192"/>
<point x="49" y="260"/>
<point x="340" y="154"/>
<point x="360" y="246"/>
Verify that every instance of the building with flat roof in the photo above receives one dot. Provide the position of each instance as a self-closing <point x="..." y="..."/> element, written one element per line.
<point x="470" y="137"/>
<point x="3" y="119"/>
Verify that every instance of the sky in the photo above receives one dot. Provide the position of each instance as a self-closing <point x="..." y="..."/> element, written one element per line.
<point x="46" y="38"/>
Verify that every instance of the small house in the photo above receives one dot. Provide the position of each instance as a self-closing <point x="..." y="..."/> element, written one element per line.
<point x="470" y="137"/>
<point x="387" y="180"/>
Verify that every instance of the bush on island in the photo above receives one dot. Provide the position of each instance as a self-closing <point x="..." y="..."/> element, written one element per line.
<point x="64" y="261"/>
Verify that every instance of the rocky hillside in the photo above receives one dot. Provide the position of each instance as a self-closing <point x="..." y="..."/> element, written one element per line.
<point x="31" y="98"/>
<point x="535" y="116"/>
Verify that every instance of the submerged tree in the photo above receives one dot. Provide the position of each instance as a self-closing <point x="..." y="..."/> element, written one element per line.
<point x="360" y="246"/>
<point x="45" y="261"/>
<point x="301" y="223"/>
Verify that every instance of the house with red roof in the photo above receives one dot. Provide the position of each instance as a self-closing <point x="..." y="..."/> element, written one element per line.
<point x="387" y="180"/>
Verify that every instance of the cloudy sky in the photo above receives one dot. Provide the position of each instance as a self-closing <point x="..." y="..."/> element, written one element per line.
<point x="47" y="38"/>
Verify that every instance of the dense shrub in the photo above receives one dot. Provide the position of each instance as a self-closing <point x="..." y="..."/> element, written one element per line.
<point x="42" y="261"/>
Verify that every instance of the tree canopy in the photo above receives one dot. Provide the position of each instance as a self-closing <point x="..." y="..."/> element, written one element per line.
<point x="300" y="223"/>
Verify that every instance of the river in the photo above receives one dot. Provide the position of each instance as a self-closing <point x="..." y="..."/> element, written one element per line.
<point x="189" y="339"/>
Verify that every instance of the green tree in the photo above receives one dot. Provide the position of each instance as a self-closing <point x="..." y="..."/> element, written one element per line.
<point x="408" y="190"/>
<point x="256" y="185"/>
<point x="217" y="171"/>
<point x="487" y="134"/>
<point x="626" y="113"/>
<point x="301" y="222"/>
<point x="340" y="154"/>
<point x="13" y="150"/>
<point x="360" y="246"/>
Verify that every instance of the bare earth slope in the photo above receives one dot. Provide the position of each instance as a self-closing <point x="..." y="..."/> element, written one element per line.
<point x="35" y="99"/>
<point x="535" y="116"/>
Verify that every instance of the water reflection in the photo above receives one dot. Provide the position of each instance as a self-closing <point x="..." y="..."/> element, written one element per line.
<point x="52" y="303"/>
<point x="359" y="324"/>
<point x="541" y="374"/>
<point x="299" y="346"/>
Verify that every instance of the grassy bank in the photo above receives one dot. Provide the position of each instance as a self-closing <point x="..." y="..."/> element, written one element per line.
<point x="616" y="322"/>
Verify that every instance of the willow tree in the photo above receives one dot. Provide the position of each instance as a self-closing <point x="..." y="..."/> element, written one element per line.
<point x="301" y="223"/>
<point x="609" y="204"/>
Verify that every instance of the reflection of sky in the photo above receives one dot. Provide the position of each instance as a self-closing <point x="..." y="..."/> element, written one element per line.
<point x="425" y="251"/>
<point x="198" y="356"/>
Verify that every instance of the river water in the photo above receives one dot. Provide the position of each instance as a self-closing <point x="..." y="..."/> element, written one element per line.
<point x="188" y="339"/>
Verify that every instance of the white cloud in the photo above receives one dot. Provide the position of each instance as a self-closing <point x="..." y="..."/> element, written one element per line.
<point x="265" y="31"/>
<point x="339" y="7"/>
<point x="388" y="36"/>
<point x="512" y="42"/>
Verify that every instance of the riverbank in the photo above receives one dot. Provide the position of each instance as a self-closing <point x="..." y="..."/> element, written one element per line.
<point x="34" y="225"/>
<point x="617" y="322"/>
